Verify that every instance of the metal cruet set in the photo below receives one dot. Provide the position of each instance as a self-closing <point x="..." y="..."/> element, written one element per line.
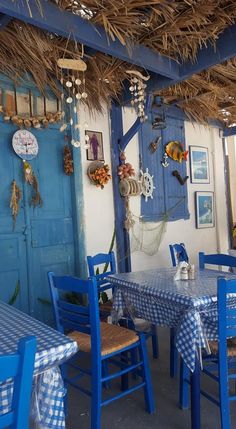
<point x="185" y="271"/>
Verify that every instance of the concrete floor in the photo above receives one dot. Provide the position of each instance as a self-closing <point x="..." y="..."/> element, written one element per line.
<point x="129" y="412"/>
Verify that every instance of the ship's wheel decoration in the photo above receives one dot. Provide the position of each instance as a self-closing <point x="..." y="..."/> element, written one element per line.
<point x="147" y="186"/>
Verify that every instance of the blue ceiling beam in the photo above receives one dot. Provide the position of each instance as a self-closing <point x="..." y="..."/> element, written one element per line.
<point x="231" y="131"/>
<point x="4" y="20"/>
<point x="208" y="56"/>
<point x="67" y="24"/>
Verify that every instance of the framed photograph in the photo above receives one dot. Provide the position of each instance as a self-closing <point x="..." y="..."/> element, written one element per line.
<point x="205" y="211"/>
<point x="95" y="149"/>
<point x="199" y="164"/>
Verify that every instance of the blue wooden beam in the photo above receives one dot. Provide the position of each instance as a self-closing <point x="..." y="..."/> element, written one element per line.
<point x="231" y="131"/>
<point x="208" y="56"/>
<point x="122" y="235"/>
<point x="136" y="125"/>
<point x="70" y="25"/>
<point x="4" y="20"/>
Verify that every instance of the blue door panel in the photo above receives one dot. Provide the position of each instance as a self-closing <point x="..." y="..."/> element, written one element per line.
<point x="43" y="239"/>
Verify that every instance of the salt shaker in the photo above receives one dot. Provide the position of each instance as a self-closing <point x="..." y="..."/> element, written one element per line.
<point x="191" y="272"/>
<point x="184" y="274"/>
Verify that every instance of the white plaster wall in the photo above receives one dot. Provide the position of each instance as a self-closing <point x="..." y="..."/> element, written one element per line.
<point x="99" y="206"/>
<point x="98" y="203"/>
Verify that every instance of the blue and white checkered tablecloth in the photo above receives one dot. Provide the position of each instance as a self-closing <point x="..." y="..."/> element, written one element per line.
<point x="53" y="348"/>
<point x="189" y="306"/>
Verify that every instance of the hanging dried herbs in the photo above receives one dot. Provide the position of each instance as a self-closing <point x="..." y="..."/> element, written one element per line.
<point x="16" y="195"/>
<point x="68" y="161"/>
<point x="31" y="179"/>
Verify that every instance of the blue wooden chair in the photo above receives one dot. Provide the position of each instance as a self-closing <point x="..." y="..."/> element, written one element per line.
<point x="20" y="368"/>
<point x="220" y="366"/>
<point x="178" y="254"/>
<point x="107" y="260"/>
<point x="219" y="259"/>
<point x="102" y="341"/>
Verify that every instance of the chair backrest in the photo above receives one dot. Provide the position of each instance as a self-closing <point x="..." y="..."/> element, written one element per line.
<point x="226" y="321"/>
<point x="73" y="317"/>
<point x="19" y="367"/>
<point x="178" y="253"/>
<point x="101" y="266"/>
<point x="219" y="259"/>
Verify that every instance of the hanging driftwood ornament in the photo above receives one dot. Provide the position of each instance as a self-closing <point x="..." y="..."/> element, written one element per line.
<point x="31" y="179"/>
<point x="16" y="195"/>
<point x="70" y="64"/>
<point x="68" y="161"/>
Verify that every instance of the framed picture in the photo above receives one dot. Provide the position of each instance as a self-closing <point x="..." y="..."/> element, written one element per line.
<point x="199" y="164"/>
<point x="95" y="149"/>
<point x="205" y="211"/>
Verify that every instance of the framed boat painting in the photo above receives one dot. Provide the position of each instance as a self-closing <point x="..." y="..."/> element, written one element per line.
<point x="205" y="212"/>
<point x="199" y="164"/>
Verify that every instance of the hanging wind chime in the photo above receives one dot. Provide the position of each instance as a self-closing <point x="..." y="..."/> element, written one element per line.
<point x="73" y="86"/>
<point x="138" y="92"/>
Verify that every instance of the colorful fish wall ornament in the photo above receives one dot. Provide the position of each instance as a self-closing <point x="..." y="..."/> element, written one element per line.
<point x="175" y="150"/>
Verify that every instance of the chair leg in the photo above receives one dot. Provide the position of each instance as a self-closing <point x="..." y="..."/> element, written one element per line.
<point x="148" y="391"/>
<point x="195" y="397"/>
<point x="224" y="403"/>
<point x="155" y="345"/>
<point x="134" y="359"/>
<point x="173" y="354"/>
<point x="96" y="398"/>
<point x="184" y="385"/>
<point x="124" y="377"/>
<point x="105" y="373"/>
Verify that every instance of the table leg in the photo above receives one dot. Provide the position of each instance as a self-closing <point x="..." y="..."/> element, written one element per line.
<point x="195" y="396"/>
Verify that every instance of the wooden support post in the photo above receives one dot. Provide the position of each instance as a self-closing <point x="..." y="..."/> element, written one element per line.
<point x="122" y="236"/>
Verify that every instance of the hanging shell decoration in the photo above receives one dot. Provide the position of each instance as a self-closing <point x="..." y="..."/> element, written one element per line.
<point x="73" y="87"/>
<point x="138" y="92"/>
<point x="16" y="196"/>
<point x="125" y="171"/>
<point x="31" y="121"/>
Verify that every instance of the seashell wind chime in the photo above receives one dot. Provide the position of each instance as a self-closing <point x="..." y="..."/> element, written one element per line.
<point x="138" y="92"/>
<point x="73" y="84"/>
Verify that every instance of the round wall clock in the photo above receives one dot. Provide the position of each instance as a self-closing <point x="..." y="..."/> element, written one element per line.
<point x="25" y="144"/>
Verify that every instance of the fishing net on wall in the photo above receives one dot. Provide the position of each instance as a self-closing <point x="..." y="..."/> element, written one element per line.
<point x="145" y="237"/>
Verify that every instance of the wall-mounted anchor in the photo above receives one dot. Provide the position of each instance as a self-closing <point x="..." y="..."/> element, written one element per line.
<point x="164" y="162"/>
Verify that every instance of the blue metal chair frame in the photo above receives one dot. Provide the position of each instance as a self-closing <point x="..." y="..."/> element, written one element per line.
<point x="20" y="367"/>
<point x="212" y="259"/>
<point x="178" y="254"/>
<point x="85" y="319"/>
<point x="108" y="261"/>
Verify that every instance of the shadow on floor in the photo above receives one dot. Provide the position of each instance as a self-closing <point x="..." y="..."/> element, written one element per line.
<point x="129" y="412"/>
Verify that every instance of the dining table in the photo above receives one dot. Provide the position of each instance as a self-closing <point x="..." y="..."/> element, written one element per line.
<point x="53" y="349"/>
<point x="189" y="306"/>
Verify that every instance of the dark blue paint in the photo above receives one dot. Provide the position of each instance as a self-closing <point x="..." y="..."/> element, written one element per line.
<point x="86" y="320"/>
<point x="20" y="367"/>
<point x="178" y="253"/>
<point x="4" y="21"/>
<point x="231" y="131"/>
<point x="169" y="197"/>
<point x="216" y="259"/>
<point x="70" y="25"/>
<point x="122" y="236"/>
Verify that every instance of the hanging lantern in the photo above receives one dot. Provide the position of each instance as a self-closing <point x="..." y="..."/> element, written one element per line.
<point x="158" y="113"/>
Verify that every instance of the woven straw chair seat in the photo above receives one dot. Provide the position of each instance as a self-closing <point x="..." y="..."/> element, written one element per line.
<point x="113" y="338"/>
<point x="231" y="347"/>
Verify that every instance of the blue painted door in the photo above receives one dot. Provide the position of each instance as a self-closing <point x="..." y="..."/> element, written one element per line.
<point x="43" y="238"/>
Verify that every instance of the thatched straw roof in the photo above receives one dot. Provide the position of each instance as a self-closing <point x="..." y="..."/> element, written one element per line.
<point x="176" y="29"/>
